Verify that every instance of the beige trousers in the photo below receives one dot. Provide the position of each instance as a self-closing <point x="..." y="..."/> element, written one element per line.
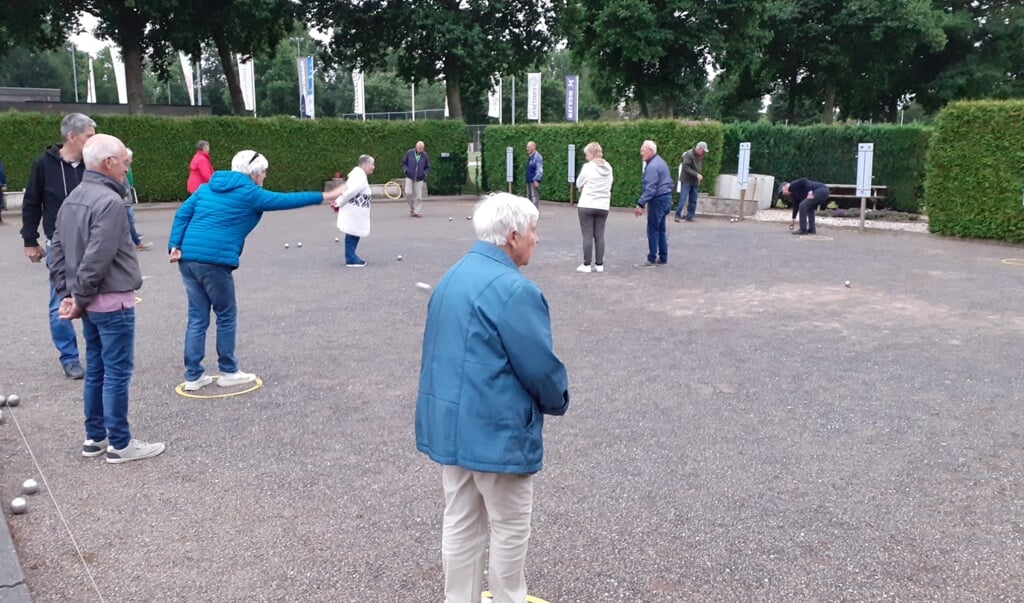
<point x="414" y="191"/>
<point x="472" y="499"/>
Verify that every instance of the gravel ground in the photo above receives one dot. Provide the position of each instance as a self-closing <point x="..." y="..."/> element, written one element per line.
<point x="784" y="215"/>
<point x="743" y="427"/>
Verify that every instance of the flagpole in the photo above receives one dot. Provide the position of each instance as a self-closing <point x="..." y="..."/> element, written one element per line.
<point x="513" y="100"/>
<point x="74" y="70"/>
<point x="412" y="89"/>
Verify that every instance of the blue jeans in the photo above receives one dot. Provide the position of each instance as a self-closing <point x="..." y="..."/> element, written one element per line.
<point x="131" y="225"/>
<point x="657" y="238"/>
<point x="109" y="351"/>
<point x="209" y="286"/>
<point x="689" y="193"/>
<point x="351" y="242"/>
<point x="61" y="331"/>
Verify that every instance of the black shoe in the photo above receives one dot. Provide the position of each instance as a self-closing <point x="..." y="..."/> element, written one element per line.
<point x="679" y="219"/>
<point x="74" y="370"/>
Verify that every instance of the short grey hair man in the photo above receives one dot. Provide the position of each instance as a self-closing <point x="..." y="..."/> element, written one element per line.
<point x="100" y="148"/>
<point x="502" y="213"/>
<point x="75" y="123"/>
<point x="651" y="145"/>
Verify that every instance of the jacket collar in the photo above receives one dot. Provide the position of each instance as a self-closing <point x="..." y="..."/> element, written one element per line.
<point x="494" y="252"/>
<point x="103" y="179"/>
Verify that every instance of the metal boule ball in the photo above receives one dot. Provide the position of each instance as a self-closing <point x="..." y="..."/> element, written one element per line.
<point x="18" y="506"/>
<point x="13" y="400"/>
<point x="29" y="486"/>
<point x="399" y="257"/>
<point x="286" y="245"/>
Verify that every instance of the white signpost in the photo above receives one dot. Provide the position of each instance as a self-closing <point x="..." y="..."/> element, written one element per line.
<point x="865" y="154"/>
<point x="743" y="173"/>
<point x="572" y="170"/>
<point x="508" y="167"/>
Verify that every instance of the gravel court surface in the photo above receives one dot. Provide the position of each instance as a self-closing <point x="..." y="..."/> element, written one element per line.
<point x="743" y="426"/>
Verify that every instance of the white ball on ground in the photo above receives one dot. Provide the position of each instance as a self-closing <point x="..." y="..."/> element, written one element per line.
<point x="335" y="239"/>
<point x="18" y="506"/>
<point x="449" y="218"/>
<point x="399" y="257"/>
<point x="286" y="245"/>
<point x="847" y="284"/>
<point x="299" y="244"/>
<point x="29" y="486"/>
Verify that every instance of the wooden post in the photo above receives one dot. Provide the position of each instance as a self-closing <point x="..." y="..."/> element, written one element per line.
<point x="743" y="197"/>
<point x="863" y="209"/>
<point x="570" y="195"/>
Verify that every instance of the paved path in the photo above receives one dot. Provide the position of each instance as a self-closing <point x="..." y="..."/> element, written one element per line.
<point x="743" y="427"/>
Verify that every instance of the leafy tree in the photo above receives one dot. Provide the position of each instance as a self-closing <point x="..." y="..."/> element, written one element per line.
<point x="462" y="42"/>
<point x="36" y="24"/>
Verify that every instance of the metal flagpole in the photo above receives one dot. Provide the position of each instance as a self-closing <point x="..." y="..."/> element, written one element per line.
<point x="74" y="69"/>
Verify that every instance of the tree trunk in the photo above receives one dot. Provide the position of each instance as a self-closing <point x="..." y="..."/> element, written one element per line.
<point x="130" y="31"/>
<point x="452" y="84"/>
<point x="230" y="73"/>
<point x="828" y="114"/>
<point x="791" y="107"/>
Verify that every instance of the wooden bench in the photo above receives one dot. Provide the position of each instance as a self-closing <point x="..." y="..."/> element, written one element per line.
<point x="845" y="195"/>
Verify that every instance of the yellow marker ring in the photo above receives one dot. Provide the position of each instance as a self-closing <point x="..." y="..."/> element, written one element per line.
<point x="398" y="188"/>
<point x="529" y="598"/>
<point x="180" y="390"/>
<point x="1014" y="262"/>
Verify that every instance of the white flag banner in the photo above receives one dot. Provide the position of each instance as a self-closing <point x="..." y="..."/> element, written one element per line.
<point x="90" y="95"/>
<point x="494" y="101"/>
<point x="122" y="86"/>
<point x="533" y="96"/>
<point x="310" y="89"/>
<point x="186" y="72"/>
<point x="446" y="106"/>
<point x="247" y="80"/>
<point x="307" y="106"/>
<point x="359" y="93"/>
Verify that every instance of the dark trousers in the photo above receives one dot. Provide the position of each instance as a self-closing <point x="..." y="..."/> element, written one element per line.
<point x="657" y="238"/>
<point x="592" y="223"/>
<point x="807" y="209"/>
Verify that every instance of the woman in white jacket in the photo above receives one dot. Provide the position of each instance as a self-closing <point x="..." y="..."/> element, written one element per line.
<point x="595" y="185"/>
<point x="354" y="210"/>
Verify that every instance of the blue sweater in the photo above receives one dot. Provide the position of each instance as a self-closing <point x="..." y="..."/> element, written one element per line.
<point x="212" y="224"/>
<point x="656" y="181"/>
<point x="488" y="373"/>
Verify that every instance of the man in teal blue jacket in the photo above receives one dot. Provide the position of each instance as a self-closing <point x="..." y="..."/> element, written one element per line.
<point x="488" y="376"/>
<point x="206" y="240"/>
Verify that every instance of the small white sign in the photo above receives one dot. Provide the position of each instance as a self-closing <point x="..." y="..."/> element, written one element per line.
<point x="572" y="163"/>
<point x="508" y="164"/>
<point x="743" y="169"/>
<point x="865" y="153"/>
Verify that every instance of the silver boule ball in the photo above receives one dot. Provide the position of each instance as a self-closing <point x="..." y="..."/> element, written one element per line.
<point x="299" y="244"/>
<point x="847" y="284"/>
<point x="449" y="218"/>
<point x="335" y="239"/>
<point x="13" y="400"/>
<point x="18" y="506"/>
<point x="423" y="286"/>
<point x="286" y="245"/>
<point x="399" y="257"/>
<point x="29" y="486"/>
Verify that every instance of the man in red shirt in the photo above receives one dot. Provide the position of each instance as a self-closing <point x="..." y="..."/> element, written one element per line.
<point x="199" y="169"/>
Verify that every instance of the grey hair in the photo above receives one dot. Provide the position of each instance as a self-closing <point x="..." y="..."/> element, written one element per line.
<point x="202" y="145"/>
<point x="98" y="148"/>
<point x="366" y="160"/>
<point x="249" y="162"/>
<point x="129" y="151"/>
<point x="75" y="123"/>
<point x="594" y="149"/>
<point x="650" y="144"/>
<point x="499" y="214"/>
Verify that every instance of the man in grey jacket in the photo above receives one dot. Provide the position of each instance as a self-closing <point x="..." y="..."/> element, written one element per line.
<point x="691" y="173"/>
<point x="95" y="273"/>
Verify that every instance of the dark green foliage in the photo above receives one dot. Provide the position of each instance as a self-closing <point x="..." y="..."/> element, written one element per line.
<point x="621" y="144"/>
<point x="302" y="154"/>
<point x="975" y="168"/>
<point x="829" y="154"/>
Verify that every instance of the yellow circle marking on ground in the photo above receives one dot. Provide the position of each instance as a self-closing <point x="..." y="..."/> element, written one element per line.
<point x="138" y="299"/>
<point x="397" y="190"/>
<point x="486" y="596"/>
<point x="814" y="238"/>
<point x="1014" y="261"/>
<point x="181" y="391"/>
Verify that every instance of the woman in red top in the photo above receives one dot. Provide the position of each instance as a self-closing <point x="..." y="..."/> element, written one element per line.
<point x="199" y="169"/>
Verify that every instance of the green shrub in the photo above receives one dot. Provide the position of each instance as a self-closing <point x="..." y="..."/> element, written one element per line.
<point x="974" y="171"/>
<point x="829" y="154"/>
<point x="303" y="154"/>
<point x="619" y="141"/>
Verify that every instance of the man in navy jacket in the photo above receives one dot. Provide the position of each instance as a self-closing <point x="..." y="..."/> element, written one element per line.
<point x="416" y="167"/>
<point x="805" y="197"/>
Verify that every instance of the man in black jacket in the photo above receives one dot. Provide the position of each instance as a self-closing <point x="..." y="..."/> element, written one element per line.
<point x="53" y="176"/>
<point x="805" y="197"/>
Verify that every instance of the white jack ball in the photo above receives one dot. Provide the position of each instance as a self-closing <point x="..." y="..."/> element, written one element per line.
<point x="18" y="506"/>
<point x="29" y="486"/>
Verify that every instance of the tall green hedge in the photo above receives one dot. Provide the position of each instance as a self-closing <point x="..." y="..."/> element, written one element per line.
<point x="619" y="141"/>
<point x="302" y="153"/>
<point x="829" y="154"/>
<point x="975" y="168"/>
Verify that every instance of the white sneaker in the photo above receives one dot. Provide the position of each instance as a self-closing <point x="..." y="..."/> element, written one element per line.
<point x="599" y="267"/>
<point x="583" y="268"/>
<point x="136" y="450"/>
<point x="201" y="382"/>
<point x="236" y="378"/>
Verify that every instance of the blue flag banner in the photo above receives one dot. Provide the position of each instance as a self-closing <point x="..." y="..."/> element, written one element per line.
<point x="572" y="97"/>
